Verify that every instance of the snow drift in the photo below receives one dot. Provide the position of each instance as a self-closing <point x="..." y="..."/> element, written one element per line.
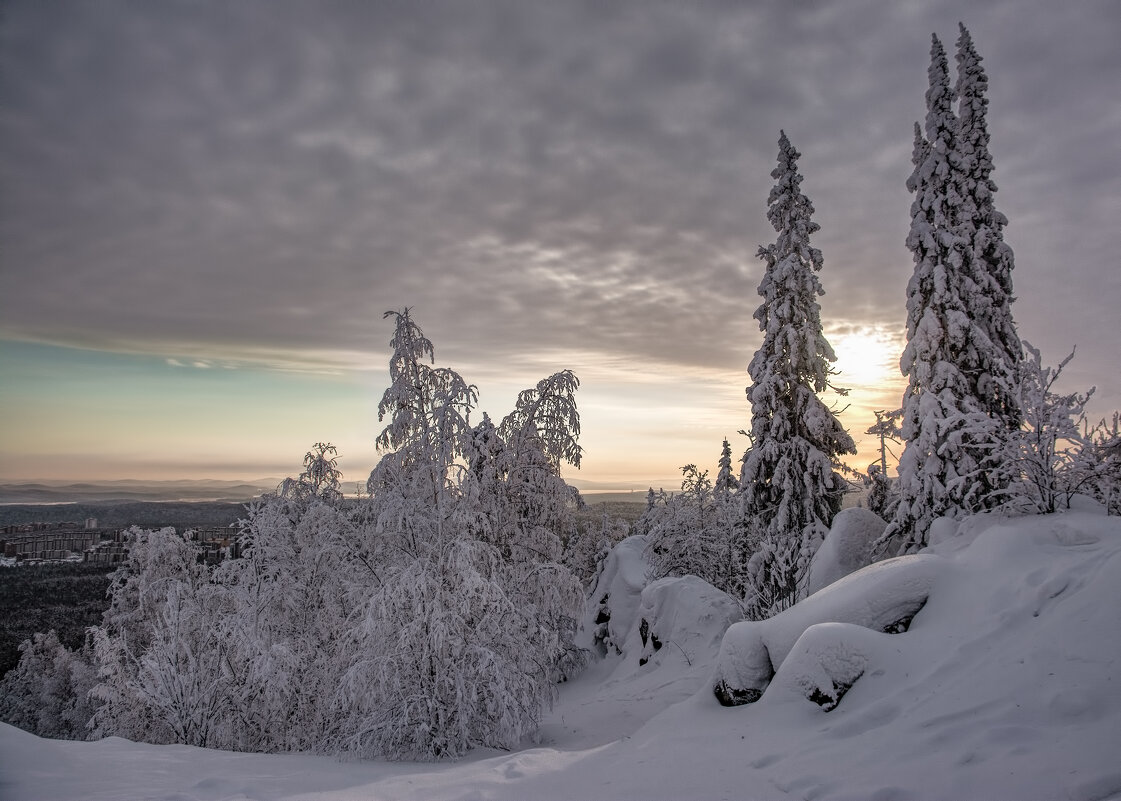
<point x="1005" y="686"/>
<point x="847" y="547"/>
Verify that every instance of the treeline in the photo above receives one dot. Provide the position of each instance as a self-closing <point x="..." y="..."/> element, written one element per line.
<point x="67" y="597"/>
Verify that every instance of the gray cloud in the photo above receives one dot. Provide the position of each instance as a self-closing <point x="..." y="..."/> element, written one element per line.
<point x="265" y="178"/>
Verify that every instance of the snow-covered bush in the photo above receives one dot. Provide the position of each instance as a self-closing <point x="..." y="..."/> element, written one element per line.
<point x="681" y="620"/>
<point x="698" y="531"/>
<point x="152" y="649"/>
<point x="1046" y="455"/>
<point x="291" y="597"/>
<point x="448" y="660"/>
<point x="47" y="692"/>
<point x="1057" y="454"/>
<point x="1100" y="461"/>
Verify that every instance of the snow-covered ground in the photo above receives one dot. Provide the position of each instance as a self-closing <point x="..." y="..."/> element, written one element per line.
<point x="1006" y="686"/>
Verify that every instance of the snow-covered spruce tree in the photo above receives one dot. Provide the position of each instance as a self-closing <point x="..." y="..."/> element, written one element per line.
<point x="789" y="488"/>
<point x="726" y="484"/>
<point x="959" y="409"/>
<point x="989" y="257"/>
<point x="882" y="494"/>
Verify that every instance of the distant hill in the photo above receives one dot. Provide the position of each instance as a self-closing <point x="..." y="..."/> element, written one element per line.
<point x="122" y="514"/>
<point x="594" y="498"/>
<point x="42" y="492"/>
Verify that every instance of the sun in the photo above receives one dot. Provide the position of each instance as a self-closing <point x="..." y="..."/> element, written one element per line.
<point x="866" y="357"/>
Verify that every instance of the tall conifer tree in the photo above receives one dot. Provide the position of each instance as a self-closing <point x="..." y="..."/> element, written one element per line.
<point x="961" y="343"/>
<point x="990" y="256"/>
<point x="788" y="483"/>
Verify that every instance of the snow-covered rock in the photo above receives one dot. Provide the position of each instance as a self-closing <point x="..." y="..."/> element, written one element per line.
<point x="882" y="597"/>
<point x="614" y="599"/>
<point x="680" y="620"/>
<point x="826" y="661"/>
<point x="847" y="547"/>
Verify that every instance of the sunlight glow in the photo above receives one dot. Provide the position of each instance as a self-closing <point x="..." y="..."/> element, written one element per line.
<point x="866" y="357"/>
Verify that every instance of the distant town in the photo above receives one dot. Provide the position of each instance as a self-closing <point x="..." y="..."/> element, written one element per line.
<point x="36" y="543"/>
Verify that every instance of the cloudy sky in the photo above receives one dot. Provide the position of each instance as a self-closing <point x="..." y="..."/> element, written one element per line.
<point x="205" y="208"/>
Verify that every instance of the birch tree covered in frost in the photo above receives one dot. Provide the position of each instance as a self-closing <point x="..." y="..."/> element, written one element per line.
<point x="960" y="408"/>
<point x="459" y="644"/>
<point x="294" y="589"/>
<point x="433" y="616"/>
<point x="788" y="484"/>
<point x="159" y="655"/>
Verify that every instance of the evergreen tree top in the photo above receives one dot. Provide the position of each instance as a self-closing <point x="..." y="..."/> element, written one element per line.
<point x="790" y="211"/>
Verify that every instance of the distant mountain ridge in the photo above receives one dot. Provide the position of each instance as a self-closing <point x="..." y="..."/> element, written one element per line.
<point x="133" y="490"/>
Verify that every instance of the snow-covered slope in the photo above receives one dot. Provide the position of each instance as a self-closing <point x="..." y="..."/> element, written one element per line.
<point x="1006" y="686"/>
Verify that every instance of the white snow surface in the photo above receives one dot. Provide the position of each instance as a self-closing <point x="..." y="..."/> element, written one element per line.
<point x="1006" y="687"/>
<point x="847" y="547"/>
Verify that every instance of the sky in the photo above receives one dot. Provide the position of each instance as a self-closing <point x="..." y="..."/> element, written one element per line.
<point x="206" y="208"/>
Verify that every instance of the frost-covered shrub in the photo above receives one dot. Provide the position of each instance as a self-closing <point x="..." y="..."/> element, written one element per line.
<point x="47" y="692"/>
<point x="1055" y="454"/>
<point x="152" y="650"/>
<point x="449" y="661"/>
<point x="698" y="532"/>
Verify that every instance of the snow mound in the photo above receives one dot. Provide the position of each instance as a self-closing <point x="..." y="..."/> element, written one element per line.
<point x="666" y="656"/>
<point x="615" y="597"/>
<point x="681" y="622"/>
<point x="826" y="661"/>
<point x="883" y="597"/>
<point x="847" y="547"/>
